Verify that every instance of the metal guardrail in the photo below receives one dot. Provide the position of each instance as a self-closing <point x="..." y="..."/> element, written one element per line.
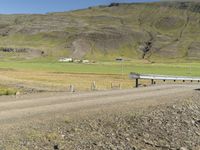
<point x="153" y="77"/>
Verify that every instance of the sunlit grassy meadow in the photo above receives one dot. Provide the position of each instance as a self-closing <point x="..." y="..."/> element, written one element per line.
<point x="57" y="76"/>
<point x="116" y="68"/>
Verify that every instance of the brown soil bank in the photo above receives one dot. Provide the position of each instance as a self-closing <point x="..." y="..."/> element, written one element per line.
<point x="164" y="122"/>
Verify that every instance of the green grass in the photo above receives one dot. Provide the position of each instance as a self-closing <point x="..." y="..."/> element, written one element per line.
<point x="182" y="69"/>
<point x="7" y="91"/>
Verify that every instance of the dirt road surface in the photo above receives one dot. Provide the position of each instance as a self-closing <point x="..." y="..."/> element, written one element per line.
<point x="150" y="118"/>
<point x="17" y="108"/>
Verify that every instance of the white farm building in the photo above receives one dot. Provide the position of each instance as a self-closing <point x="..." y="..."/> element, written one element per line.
<point x="66" y="60"/>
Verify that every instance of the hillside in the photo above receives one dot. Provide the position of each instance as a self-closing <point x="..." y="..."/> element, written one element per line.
<point x="153" y="31"/>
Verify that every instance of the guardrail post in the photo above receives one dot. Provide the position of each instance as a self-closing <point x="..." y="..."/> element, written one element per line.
<point x="152" y="81"/>
<point x="136" y="83"/>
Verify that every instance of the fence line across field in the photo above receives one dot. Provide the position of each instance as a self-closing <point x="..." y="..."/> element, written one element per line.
<point x="93" y="87"/>
<point x="153" y="77"/>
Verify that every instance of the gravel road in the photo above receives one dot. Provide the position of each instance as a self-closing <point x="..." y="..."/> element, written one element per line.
<point x="155" y="117"/>
<point x="17" y="108"/>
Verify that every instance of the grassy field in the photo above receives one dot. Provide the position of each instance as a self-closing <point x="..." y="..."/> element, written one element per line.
<point x="182" y="69"/>
<point x="56" y="76"/>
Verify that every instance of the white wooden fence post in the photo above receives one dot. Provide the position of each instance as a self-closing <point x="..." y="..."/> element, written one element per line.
<point x="93" y="86"/>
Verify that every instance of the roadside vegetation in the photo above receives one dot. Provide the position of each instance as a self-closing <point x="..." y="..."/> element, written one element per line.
<point x="4" y="90"/>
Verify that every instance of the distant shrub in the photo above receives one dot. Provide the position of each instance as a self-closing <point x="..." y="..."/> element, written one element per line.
<point x="113" y="4"/>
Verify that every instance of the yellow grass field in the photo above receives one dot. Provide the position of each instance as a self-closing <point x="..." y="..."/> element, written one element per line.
<point x="61" y="81"/>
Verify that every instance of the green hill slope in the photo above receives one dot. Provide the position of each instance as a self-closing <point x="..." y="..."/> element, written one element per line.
<point x="154" y="31"/>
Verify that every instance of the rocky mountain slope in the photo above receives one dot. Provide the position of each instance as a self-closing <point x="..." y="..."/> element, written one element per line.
<point x="153" y="31"/>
